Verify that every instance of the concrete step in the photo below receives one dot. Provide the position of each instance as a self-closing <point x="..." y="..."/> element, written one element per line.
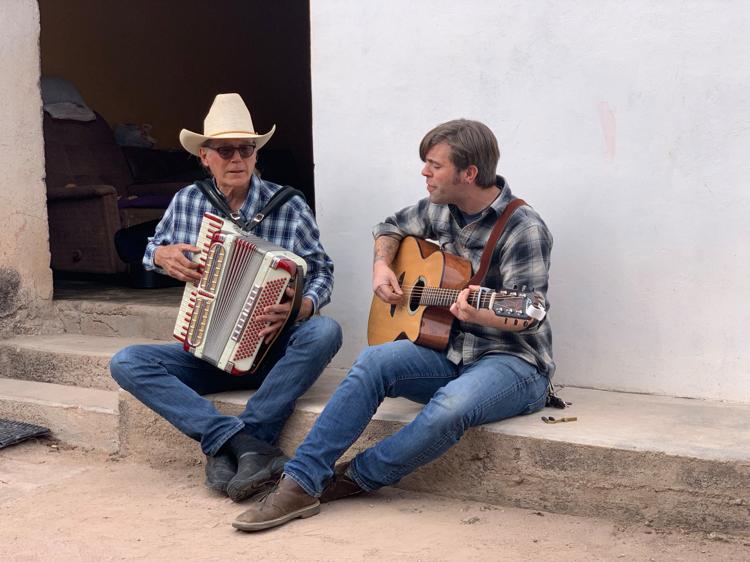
<point x="666" y="462"/>
<point x="100" y="310"/>
<point x="68" y="359"/>
<point x="145" y="435"/>
<point x="82" y="417"/>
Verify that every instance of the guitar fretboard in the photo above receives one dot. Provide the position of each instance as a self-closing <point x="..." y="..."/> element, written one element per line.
<point x="437" y="296"/>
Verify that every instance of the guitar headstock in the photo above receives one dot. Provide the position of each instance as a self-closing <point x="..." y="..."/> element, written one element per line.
<point x="521" y="305"/>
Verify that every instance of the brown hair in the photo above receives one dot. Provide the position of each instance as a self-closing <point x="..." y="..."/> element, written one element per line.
<point x="471" y="142"/>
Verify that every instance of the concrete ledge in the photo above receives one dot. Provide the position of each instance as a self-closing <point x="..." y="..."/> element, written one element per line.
<point x="118" y="312"/>
<point x="668" y="462"/>
<point x="77" y="416"/>
<point x="146" y="435"/>
<point x="69" y="359"/>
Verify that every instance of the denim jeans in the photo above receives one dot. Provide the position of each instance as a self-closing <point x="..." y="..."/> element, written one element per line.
<point x="456" y="397"/>
<point x="172" y="382"/>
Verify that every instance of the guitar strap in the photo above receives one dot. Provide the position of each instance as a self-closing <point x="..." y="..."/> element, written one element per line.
<point x="489" y="247"/>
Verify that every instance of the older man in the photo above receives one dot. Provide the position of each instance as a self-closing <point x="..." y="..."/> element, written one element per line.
<point x="241" y="451"/>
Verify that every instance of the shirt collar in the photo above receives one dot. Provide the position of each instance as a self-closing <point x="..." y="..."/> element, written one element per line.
<point x="505" y="197"/>
<point x="498" y="205"/>
<point x="253" y="200"/>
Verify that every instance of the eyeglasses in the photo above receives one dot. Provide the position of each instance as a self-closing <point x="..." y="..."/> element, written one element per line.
<point x="226" y="152"/>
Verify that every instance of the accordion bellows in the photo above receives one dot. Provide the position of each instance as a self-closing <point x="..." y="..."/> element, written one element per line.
<point x="241" y="274"/>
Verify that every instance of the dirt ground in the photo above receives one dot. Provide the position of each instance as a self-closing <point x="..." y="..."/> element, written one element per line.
<point x="63" y="504"/>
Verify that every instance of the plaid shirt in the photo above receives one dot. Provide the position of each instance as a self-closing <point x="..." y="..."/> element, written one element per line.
<point x="291" y="226"/>
<point x="521" y="257"/>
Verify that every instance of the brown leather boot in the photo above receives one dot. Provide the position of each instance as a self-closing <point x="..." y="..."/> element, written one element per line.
<point x="340" y="486"/>
<point x="288" y="501"/>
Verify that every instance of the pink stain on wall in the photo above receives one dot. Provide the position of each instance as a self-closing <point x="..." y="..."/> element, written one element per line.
<point x="609" y="129"/>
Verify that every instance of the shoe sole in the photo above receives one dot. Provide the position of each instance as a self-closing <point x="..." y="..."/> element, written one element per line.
<point x="303" y="513"/>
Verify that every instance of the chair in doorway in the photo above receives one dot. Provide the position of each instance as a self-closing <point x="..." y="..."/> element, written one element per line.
<point x="92" y="194"/>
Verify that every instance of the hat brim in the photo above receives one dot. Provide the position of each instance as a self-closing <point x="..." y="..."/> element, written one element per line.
<point x="192" y="142"/>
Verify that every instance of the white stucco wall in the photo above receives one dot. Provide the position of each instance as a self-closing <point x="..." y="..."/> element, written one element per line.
<point x="23" y="212"/>
<point x="625" y="124"/>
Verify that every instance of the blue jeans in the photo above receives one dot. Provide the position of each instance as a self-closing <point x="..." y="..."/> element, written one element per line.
<point x="172" y="382"/>
<point x="456" y="397"/>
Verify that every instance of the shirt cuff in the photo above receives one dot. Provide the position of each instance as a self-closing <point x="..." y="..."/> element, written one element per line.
<point x="385" y="229"/>
<point x="148" y="260"/>
<point x="314" y="298"/>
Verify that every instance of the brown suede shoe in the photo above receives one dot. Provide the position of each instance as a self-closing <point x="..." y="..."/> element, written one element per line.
<point x="340" y="486"/>
<point x="288" y="501"/>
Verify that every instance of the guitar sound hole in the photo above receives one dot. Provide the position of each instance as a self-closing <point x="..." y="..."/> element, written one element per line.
<point x="415" y="296"/>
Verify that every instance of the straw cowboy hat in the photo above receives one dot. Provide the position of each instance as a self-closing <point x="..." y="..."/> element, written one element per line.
<point x="228" y="118"/>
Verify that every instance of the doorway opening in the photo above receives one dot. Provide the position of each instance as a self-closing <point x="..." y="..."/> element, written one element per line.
<point x="146" y="70"/>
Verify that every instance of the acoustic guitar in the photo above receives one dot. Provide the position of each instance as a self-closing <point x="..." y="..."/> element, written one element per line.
<point x="431" y="281"/>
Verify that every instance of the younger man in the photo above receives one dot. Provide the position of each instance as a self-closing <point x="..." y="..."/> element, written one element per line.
<point x="490" y="370"/>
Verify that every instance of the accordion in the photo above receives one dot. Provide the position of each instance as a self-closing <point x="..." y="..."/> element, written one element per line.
<point x="241" y="274"/>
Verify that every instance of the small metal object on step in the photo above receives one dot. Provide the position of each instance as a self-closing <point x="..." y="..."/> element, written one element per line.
<point x="550" y="419"/>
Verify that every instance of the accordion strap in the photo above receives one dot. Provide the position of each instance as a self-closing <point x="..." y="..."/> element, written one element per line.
<point x="217" y="199"/>
<point x="278" y="199"/>
<point x="299" y="285"/>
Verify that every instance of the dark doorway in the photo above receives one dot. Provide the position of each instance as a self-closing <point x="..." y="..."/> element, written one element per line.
<point x="161" y="62"/>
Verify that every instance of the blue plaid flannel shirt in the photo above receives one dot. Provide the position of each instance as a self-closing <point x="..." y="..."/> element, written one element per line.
<point x="521" y="257"/>
<point x="291" y="226"/>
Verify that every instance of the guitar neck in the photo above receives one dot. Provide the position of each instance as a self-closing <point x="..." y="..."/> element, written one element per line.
<point x="437" y="296"/>
<point x="510" y="304"/>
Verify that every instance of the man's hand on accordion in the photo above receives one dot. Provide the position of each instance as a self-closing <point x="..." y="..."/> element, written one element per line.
<point x="276" y="314"/>
<point x="171" y="258"/>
